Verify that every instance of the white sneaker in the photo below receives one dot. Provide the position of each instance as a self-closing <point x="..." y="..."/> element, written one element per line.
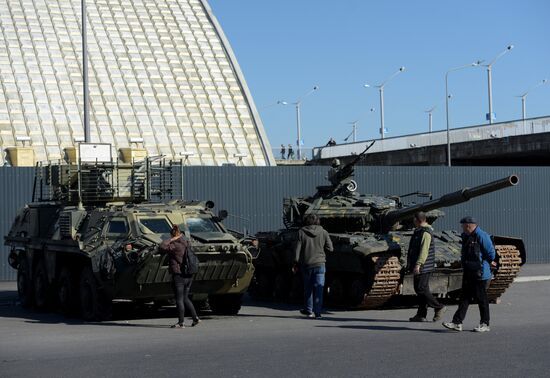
<point x="453" y="326"/>
<point x="482" y="328"/>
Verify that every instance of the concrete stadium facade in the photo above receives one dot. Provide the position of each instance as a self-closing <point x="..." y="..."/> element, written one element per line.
<point x="161" y="72"/>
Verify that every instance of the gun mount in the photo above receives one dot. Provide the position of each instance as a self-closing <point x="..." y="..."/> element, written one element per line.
<point x="340" y="177"/>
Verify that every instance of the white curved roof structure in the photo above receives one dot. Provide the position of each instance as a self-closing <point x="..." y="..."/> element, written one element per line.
<point x="159" y="70"/>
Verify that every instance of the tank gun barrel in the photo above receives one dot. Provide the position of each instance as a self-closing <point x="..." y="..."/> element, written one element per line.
<point x="450" y="199"/>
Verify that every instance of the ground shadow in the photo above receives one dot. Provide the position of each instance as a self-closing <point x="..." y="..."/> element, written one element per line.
<point x="384" y="328"/>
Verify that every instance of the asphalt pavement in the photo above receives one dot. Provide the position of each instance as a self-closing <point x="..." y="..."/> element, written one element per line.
<point x="270" y="340"/>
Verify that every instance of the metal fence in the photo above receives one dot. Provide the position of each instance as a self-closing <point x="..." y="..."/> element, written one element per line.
<point x="253" y="197"/>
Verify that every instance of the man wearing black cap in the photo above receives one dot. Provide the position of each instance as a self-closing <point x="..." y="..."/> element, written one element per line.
<point x="477" y="256"/>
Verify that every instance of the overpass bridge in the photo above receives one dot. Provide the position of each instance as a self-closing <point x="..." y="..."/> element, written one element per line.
<point x="519" y="142"/>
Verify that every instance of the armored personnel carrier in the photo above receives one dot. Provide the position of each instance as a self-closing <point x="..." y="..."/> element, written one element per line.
<point x="91" y="236"/>
<point x="371" y="234"/>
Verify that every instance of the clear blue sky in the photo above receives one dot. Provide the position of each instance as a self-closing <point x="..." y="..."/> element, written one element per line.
<point x="286" y="47"/>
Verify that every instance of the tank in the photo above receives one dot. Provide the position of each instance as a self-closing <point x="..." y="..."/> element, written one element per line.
<point x="90" y="236"/>
<point x="371" y="235"/>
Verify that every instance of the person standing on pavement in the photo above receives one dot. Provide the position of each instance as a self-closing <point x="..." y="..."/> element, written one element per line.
<point x="176" y="247"/>
<point x="477" y="257"/>
<point x="313" y="242"/>
<point x="283" y="152"/>
<point x="421" y="262"/>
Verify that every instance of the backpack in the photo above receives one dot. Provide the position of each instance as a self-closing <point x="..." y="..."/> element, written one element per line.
<point x="190" y="264"/>
<point x="472" y="257"/>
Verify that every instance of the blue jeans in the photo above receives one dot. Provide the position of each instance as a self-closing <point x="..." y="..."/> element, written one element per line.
<point x="314" y="281"/>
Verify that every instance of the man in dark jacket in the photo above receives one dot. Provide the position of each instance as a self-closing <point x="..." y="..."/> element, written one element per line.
<point x="421" y="262"/>
<point x="312" y="243"/>
<point x="477" y="257"/>
<point x="176" y="247"/>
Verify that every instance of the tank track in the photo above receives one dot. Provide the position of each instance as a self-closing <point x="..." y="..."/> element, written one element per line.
<point x="386" y="281"/>
<point x="509" y="264"/>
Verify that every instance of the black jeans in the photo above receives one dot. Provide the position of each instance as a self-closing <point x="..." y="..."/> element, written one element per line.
<point x="182" y="285"/>
<point x="425" y="297"/>
<point x="473" y="289"/>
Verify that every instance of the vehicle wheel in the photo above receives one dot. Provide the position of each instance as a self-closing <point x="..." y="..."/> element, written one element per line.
<point x="357" y="290"/>
<point x="335" y="291"/>
<point x="94" y="304"/>
<point x="264" y="285"/>
<point x="42" y="287"/>
<point x="283" y="284"/>
<point x="24" y="283"/>
<point x="67" y="292"/>
<point x="228" y="304"/>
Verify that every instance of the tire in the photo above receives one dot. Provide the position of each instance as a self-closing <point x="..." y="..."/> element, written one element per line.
<point x="357" y="291"/>
<point x="263" y="287"/>
<point x="67" y="293"/>
<point x="283" y="285"/>
<point x="42" y="287"/>
<point x="335" y="291"/>
<point x="24" y="283"/>
<point x="228" y="304"/>
<point x="94" y="304"/>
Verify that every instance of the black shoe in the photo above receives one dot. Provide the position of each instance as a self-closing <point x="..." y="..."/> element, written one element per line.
<point x="318" y="316"/>
<point x="196" y="322"/>
<point x="177" y="326"/>
<point x="305" y="312"/>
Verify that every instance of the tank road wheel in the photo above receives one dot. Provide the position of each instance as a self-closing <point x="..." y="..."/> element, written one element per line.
<point x="42" y="288"/>
<point x="264" y="285"/>
<point x="24" y="283"/>
<point x="357" y="291"/>
<point x="228" y="304"/>
<point x="335" y="291"/>
<point x="67" y="292"/>
<point x="283" y="284"/>
<point x="94" y="304"/>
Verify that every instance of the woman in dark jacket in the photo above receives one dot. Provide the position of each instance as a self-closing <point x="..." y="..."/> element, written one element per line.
<point x="176" y="247"/>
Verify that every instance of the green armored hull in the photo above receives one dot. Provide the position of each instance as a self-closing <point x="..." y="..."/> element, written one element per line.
<point x="74" y="250"/>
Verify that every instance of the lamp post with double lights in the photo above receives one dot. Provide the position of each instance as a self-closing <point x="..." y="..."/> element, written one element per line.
<point x="298" y="105"/>
<point x="475" y="64"/>
<point x="490" y="83"/>
<point x="524" y="96"/>
<point x="381" y="90"/>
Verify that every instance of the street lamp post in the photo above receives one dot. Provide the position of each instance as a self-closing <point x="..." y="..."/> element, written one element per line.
<point x="298" y="104"/>
<point x="447" y="104"/>
<point x="524" y="96"/>
<point x="489" y="80"/>
<point x="87" y="137"/>
<point x="381" y="91"/>
<point x="354" y="129"/>
<point x="430" y="111"/>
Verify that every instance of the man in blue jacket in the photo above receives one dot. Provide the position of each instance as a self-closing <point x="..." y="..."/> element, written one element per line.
<point x="477" y="257"/>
